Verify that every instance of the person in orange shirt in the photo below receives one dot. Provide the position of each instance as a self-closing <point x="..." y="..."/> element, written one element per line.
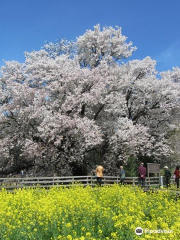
<point x="99" y="174"/>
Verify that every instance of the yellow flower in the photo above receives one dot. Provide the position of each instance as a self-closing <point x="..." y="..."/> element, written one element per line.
<point x="68" y="225"/>
<point x="83" y="228"/>
<point x="88" y="234"/>
<point x="114" y="234"/>
<point x="69" y="237"/>
<point x="100" y="231"/>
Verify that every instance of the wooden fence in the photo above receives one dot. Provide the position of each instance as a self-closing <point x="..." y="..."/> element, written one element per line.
<point x="46" y="182"/>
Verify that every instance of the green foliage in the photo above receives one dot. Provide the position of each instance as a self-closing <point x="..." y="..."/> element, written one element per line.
<point x="133" y="163"/>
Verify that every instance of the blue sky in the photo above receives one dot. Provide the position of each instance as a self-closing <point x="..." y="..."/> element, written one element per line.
<point x="152" y="25"/>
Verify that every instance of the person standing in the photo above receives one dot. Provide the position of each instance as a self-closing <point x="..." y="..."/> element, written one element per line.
<point x="167" y="176"/>
<point x="99" y="174"/>
<point x="142" y="175"/>
<point x="122" y="175"/>
<point x="177" y="176"/>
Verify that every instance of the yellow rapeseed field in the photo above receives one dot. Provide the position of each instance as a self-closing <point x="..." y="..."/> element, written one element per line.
<point x="86" y="213"/>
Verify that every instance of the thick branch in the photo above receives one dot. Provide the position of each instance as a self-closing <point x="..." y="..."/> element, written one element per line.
<point x="83" y="110"/>
<point x="99" y="110"/>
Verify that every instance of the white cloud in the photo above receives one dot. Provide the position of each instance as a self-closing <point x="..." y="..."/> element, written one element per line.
<point x="169" y="58"/>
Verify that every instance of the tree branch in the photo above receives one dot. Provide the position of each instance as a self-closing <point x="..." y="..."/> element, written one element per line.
<point x="99" y="110"/>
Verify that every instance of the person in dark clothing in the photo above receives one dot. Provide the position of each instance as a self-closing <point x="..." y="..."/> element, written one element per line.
<point x="142" y="175"/>
<point x="177" y="176"/>
<point x="122" y="175"/>
<point x="167" y="176"/>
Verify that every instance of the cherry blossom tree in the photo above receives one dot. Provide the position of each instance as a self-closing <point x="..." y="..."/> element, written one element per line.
<point x="72" y="99"/>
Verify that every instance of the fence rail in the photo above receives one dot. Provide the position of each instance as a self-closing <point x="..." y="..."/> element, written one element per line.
<point x="46" y="182"/>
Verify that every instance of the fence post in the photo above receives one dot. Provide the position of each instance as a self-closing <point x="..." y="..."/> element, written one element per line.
<point x="91" y="182"/>
<point x="133" y="181"/>
<point x="149" y="182"/>
<point x="161" y="181"/>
